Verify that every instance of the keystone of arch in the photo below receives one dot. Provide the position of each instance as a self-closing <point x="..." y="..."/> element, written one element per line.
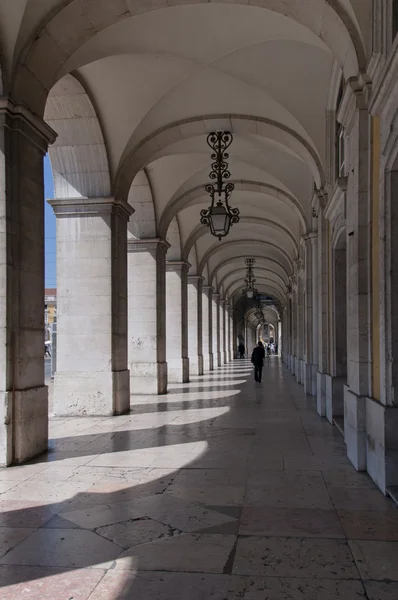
<point x="241" y="258"/>
<point x="189" y="197"/>
<point x="202" y="230"/>
<point x="138" y="154"/>
<point x="234" y="244"/>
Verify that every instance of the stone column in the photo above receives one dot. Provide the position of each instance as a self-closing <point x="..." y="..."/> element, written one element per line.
<point x="310" y="316"/>
<point x="279" y="339"/>
<point x="216" y="330"/>
<point x="228" y="332"/>
<point x="207" y="329"/>
<point x="294" y="319"/>
<point x="323" y="311"/>
<point x="177" y="321"/>
<point x="147" y="315"/>
<point x="195" y="328"/>
<point x="24" y="139"/>
<point x="92" y="377"/>
<point x="222" y="331"/>
<point x="358" y="282"/>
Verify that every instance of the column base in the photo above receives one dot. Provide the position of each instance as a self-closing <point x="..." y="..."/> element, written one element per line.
<point x="91" y="394"/>
<point x="219" y="362"/>
<point x="224" y="357"/>
<point x="382" y="444"/>
<point x="355" y="428"/>
<point x="208" y="362"/>
<point x="309" y="379"/>
<point x="196" y="365"/>
<point x="321" y="394"/>
<point x="148" y="378"/>
<point x="229" y="354"/>
<point x="178" y="370"/>
<point x="334" y="390"/>
<point x="24" y="434"/>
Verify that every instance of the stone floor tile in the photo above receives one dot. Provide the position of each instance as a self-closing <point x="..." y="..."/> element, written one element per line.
<point x="353" y="498"/>
<point x="45" y="491"/>
<point x="12" y="536"/>
<point x="223" y="477"/>
<point x="23" y="513"/>
<point x="215" y="494"/>
<point x="5" y="486"/>
<point x="184" y="553"/>
<point x="370" y="525"/>
<point x="129" y="585"/>
<point x="289" y="495"/>
<point x="294" y="557"/>
<point x="135" y="532"/>
<point x="47" y="583"/>
<point x="71" y="548"/>
<point x="377" y="590"/>
<point x="275" y="588"/>
<point x="347" y="477"/>
<point x="376" y="560"/>
<point x="298" y="522"/>
<point x="313" y="463"/>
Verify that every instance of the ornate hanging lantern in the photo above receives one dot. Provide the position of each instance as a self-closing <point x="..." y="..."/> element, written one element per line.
<point x="250" y="280"/>
<point x="219" y="216"/>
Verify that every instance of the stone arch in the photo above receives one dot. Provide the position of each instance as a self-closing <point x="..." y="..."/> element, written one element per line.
<point x="173" y="237"/>
<point x="138" y="153"/>
<point x="255" y="243"/>
<point x="242" y="272"/>
<point x="202" y="230"/>
<point x="260" y="280"/>
<point x="78" y="157"/>
<point x="143" y="223"/>
<point x="241" y="258"/>
<point x="62" y="32"/>
<point x="191" y="196"/>
<point x="335" y="410"/>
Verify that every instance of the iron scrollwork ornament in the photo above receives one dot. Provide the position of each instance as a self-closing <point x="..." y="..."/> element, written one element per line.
<point x="220" y="215"/>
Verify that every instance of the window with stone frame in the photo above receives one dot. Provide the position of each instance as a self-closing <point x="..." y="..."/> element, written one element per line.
<point x="340" y="152"/>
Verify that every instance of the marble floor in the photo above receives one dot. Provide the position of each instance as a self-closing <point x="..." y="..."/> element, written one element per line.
<point x="224" y="489"/>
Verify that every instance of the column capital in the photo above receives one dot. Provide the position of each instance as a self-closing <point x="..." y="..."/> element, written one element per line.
<point x="196" y="280"/>
<point x="208" y="289"/>
<point x="217" y="296"/>
<point x="19" y="118"/>
<point x="68" y="207"/>
<point x="177" y="266"/>
<point x="193" y="278"/>
<point x="147" y="245"/>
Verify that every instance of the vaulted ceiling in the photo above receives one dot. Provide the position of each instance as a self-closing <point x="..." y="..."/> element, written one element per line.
<point x="133" y="87"/>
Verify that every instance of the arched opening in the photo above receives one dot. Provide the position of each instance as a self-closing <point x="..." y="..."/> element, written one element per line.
<point x="339" y="369"/>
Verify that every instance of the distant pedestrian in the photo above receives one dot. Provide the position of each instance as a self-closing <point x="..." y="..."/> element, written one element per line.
<point x="268" y="350"/>
<point x="241" y="350"/>
<point x="258" y="356"/>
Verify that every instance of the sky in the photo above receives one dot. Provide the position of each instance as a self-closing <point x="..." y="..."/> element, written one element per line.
<point x="49" y="226"/>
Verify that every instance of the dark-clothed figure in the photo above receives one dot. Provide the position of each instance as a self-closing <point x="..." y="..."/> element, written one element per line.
<point x="241" y="349"/>
<point x="258" y="356"/>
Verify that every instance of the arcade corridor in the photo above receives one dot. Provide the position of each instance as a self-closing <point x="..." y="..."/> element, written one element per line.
<point x="223" y="489"/>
